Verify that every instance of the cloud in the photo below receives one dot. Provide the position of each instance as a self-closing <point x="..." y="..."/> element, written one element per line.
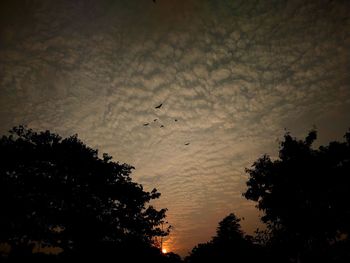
<point x="232" y="82"/>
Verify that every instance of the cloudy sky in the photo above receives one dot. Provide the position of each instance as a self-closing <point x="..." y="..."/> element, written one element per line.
<point x="233" y="73"/>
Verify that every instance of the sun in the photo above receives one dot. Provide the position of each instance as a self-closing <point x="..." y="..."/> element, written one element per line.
<point x="164" y="251"/>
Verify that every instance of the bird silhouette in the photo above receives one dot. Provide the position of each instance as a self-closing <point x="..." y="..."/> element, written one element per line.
<point x="146" y="124"/>
<point x="158" y="107"/>
<point x="187" y="143"/>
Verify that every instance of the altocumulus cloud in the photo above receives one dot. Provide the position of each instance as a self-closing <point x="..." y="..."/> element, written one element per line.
<point x="232" y="74"/>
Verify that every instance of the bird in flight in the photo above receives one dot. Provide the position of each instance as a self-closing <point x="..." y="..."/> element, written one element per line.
<point x="146" y="124"/>
<point x="158" y="107"/>
<point x="187" y="143"/>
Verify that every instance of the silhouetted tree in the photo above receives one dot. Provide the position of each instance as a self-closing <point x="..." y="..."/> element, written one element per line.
<point x="229" y="230"/>
<point x="229" y="245"/>
<point x="59" y="193"/>
<point x="305" y="199"/>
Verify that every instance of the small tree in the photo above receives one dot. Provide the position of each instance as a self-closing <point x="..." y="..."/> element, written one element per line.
<point x="229" y="230"/>
<point x="58" y="193"/>
<point x="228" y="245"/>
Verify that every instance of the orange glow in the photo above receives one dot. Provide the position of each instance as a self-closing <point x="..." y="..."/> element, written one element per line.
<point x="164" y="251"/>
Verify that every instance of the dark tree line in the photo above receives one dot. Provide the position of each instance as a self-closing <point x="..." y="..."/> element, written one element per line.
<point x="58" y="193"/>
<point x="305" y="198"/>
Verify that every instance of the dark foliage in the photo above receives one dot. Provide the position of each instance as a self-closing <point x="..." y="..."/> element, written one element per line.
<point x="229" y="245"/>
<point x="172" y="258"/>
<point x="305" y="197"/>
<point x="58" y="193"/>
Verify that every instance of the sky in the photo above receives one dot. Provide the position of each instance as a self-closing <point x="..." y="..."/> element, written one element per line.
<point x="235" y="74"/>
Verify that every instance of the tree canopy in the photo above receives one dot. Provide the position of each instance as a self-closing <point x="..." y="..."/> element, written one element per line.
<point x="304" y="195"/>
<point x="228" y="245"/>
<point x="59" y="193"/>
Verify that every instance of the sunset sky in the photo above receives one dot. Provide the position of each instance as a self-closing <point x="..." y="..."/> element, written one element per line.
<point x="234" y="74"/>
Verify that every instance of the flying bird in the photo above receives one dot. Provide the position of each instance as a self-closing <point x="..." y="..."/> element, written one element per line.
<point x="146" y="124"/>
<point x="158" y="107"/>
